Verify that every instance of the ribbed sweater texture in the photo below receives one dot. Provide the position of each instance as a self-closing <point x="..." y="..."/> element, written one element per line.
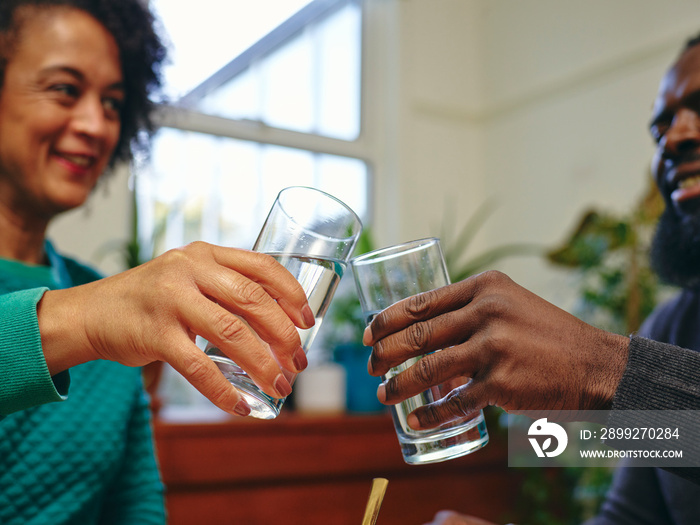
<point x="75" y="449"/>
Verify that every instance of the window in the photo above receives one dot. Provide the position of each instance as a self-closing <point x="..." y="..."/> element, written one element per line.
<point x="283" y="109"/>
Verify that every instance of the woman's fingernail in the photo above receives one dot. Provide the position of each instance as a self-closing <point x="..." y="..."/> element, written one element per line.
<point x="300" y="360"/>
<point x="242" y="408"/>
<point x="282" y="386"/>
<point x="308" y="316"/>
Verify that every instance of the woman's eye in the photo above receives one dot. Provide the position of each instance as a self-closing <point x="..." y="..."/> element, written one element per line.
<point x="113" y="105"/>
<point x="65" y="89"/>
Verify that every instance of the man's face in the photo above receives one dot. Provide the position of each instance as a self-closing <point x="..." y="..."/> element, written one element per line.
<point x="675" y="127"/>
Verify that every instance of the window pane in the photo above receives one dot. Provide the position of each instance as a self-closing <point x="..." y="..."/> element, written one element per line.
<point x="202" y="187"/>
<point x="240" y="98"/>
<point x="204" y="41"/>
<point x="288" y="87"/>
<point x="310" y="83"/>
<point x="339" y="62"/>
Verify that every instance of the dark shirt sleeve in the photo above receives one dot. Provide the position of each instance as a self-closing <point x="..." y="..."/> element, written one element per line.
<point x="660" y="376"/>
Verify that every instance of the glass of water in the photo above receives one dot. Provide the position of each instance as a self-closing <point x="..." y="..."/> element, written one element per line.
<point x="312" y="234"/>
<point x="382" y="278"/>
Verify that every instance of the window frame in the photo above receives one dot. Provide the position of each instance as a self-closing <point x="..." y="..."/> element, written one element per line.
<point x="181" y="115"/>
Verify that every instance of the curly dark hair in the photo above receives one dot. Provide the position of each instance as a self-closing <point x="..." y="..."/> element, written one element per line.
<point x="141" y="51"/>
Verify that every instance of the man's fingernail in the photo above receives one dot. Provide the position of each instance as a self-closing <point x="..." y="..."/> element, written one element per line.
<point x="413" y="422"/>
<point x="381" y="393"/>
<point x="282" y="386"/>
<point x="308" y="316"/>
<point x="300" y="360"/>
<point x="242" y="408"/>
<point x="367" y="336"/>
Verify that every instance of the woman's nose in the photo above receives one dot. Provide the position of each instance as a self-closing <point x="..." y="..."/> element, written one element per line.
<point x="89" y="118"/>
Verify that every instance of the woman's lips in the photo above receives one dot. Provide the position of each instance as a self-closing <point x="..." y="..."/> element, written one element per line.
<point x="76" y="163"/>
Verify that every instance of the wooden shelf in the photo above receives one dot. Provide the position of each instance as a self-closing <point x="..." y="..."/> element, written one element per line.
<point x="318" y="470"/>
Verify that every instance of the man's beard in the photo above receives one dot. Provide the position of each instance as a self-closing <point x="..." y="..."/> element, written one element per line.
<point x="675" y="249"/>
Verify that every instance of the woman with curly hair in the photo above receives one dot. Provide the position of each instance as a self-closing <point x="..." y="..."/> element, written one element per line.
<point x="76" y="83"/>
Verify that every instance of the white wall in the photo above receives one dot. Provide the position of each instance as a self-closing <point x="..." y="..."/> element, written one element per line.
<point x="96" y="232"/>
<point x="571" y="94"/>
<point x="440" y="153"/>
<point x="542" y="104"/>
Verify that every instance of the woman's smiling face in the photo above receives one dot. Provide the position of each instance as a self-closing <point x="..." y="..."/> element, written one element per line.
<point x="60" y="108"/>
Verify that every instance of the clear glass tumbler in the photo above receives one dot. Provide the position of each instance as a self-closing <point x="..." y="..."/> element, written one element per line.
<point x="312" y="234"/>
<point x="382" y="278"/>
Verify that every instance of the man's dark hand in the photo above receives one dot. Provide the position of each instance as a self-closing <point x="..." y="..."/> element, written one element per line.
<point x="521" y="352"/>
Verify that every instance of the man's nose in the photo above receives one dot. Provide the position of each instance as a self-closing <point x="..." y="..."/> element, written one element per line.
<point x="684" y="133"/>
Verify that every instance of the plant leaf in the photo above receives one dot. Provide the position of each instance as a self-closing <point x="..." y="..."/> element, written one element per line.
<point x="455" y="249"/>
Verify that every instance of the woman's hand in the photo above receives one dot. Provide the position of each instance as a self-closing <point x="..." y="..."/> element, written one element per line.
<point x="155" y="311"/>
<point x="521" y="352"/>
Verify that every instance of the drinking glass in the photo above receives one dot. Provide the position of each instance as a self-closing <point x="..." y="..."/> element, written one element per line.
<point x="312" y="234"/>
<point x="382" y="278"/>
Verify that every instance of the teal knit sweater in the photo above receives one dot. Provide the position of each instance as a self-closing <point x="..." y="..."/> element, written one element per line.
<point x="76" y="448"/>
